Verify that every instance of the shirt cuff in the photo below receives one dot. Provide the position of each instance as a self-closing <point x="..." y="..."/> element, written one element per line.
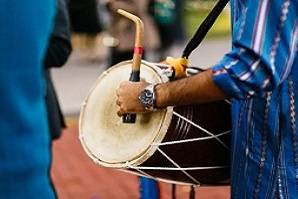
<point x="225" y="82"/>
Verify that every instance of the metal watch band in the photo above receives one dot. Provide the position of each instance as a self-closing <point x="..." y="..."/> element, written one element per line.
<point x="148" y="101"/>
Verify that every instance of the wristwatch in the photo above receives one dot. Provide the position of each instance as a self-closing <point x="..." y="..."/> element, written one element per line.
<point x="147" y="97"/>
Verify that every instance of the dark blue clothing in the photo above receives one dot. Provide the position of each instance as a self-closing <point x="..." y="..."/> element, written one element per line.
<point x="261" y="75"/>
<point x="58" y="51"/>
<point x="24" y="138"/>
<point x="148" y="188"/>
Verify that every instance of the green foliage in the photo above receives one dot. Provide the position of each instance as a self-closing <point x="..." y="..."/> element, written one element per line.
<point x="196" y="12"/>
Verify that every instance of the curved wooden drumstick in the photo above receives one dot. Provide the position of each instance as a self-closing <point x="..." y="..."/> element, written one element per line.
<point x="137" y="56"/>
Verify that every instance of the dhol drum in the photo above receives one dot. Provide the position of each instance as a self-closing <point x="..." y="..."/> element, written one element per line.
<point x="183" y="145"/>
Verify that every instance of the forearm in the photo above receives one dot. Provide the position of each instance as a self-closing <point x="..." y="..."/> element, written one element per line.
<point x="199" y="88"/>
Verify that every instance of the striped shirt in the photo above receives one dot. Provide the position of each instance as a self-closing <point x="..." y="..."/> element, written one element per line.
<point x="260" y="74"/>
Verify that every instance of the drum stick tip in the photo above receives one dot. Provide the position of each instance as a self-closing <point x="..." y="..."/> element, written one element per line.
<point x="120" y="10"/>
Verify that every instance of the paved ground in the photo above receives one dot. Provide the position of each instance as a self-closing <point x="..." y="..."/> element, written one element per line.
<point x="74" y="174"/>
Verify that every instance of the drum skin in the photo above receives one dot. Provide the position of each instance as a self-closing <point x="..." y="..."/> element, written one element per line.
<point x="148" y="143"/>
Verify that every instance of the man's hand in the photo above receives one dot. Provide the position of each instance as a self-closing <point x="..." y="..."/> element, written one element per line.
<point x="128" y="97"/>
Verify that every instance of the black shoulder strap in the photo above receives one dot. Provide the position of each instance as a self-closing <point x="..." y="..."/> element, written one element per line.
<point x="204" y="28"/>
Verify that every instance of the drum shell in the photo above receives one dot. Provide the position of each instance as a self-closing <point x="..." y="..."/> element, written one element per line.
<point x="204" y="153"/>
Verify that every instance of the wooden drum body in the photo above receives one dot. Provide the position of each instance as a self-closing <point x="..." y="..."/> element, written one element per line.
<point x="188" y="144"/>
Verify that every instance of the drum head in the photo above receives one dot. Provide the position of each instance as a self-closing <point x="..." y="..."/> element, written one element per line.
<point x="104" y="137"/>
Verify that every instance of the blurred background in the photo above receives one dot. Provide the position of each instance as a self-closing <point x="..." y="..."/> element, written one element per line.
<point x="96" y="43"/>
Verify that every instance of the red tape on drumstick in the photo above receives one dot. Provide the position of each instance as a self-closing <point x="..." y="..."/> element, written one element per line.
<point x="138" y="50"/>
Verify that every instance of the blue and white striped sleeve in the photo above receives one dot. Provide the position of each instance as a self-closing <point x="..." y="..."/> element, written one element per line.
<point x="264" y="48"/>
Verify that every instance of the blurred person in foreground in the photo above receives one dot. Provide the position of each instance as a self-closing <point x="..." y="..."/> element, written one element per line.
<point x="122" y="29"/>
<point x="58" y="52"/>
<point x="25" y="27"/>
<point x="260" y="76"/>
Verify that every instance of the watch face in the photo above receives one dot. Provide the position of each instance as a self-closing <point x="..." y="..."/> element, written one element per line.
<point x="146" y="98"/>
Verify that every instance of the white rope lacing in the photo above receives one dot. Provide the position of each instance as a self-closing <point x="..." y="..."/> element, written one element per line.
<point x="201" y="128"/>
<point x="190" y="140"/>
<point x="177" y="169"/>
<point x="142" y="172"/>
<point x="176" y="165"/>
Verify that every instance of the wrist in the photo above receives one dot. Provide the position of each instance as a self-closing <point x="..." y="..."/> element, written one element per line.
<point x="161" y="96"/>
<point x="147" y="97"/>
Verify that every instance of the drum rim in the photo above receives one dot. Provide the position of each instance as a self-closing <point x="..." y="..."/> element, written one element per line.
<point x="158" y="138"/>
